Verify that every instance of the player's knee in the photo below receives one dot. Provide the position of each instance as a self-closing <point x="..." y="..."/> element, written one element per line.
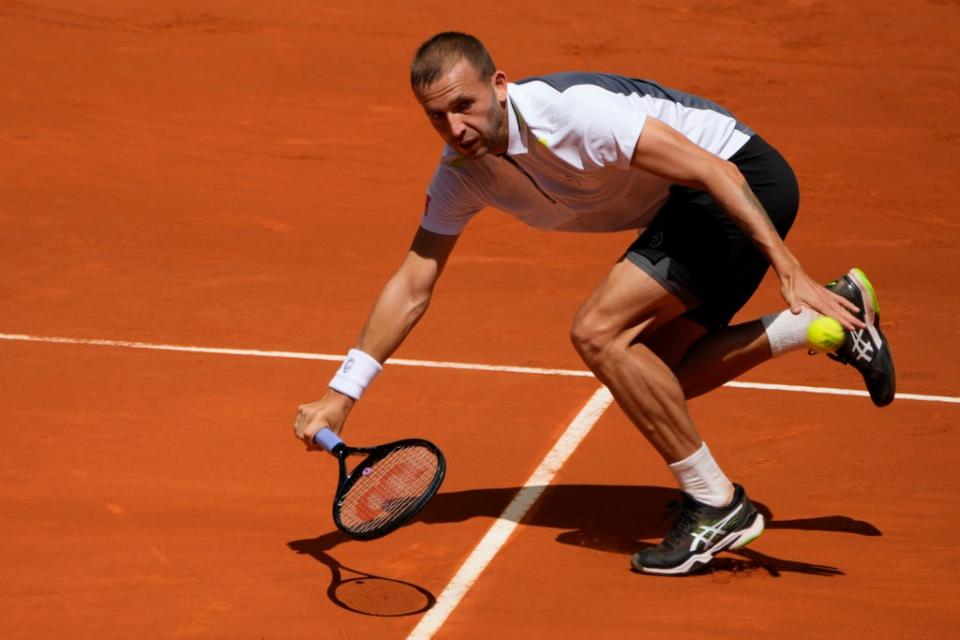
<point x="591" y="339"/>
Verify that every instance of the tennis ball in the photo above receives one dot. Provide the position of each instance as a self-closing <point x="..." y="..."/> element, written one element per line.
<point x="825" y="334"/>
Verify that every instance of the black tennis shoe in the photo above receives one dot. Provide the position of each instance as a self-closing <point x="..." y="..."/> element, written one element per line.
<point x="700" y="532"/>
<point x="867" y="350"/>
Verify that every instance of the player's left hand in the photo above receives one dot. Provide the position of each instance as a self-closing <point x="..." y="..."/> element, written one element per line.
<point x="800" y="290"/>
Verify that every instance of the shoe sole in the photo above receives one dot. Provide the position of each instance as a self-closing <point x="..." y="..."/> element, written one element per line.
<point x="872" y="319"/>
<point x="867" y="293"/>
<point x="735" y="540"/>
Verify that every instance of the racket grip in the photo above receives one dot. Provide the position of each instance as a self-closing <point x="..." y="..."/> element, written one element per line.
<point x="327" y="439"/>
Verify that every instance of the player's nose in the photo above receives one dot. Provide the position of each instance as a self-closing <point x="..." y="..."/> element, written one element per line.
<point x="457" y="125"/>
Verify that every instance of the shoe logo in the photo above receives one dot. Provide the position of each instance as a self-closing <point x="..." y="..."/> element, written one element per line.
<point x="706" y="533"/>
<point x="656" y="240"/>
<point x="862" y="346"/>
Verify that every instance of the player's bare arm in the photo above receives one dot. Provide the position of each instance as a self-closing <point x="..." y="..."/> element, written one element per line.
<point x="663" y="151"/>
<point x="406" y="295"/>
<point x="399" y="307"/>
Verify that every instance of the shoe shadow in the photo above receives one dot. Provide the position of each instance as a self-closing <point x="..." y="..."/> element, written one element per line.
<point x="615" y="519"/>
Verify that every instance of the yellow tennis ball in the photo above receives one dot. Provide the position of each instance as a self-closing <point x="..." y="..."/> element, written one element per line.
<point x="825" y="334"/>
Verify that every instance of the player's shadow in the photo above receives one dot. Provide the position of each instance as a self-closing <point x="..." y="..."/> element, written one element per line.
<point x="617" y="519"/>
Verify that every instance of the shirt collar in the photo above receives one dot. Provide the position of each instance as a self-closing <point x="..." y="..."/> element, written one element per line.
<point x="516" y="130"/>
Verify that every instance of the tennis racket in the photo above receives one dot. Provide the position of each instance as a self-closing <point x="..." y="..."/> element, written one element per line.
<point x="388" y="487"/>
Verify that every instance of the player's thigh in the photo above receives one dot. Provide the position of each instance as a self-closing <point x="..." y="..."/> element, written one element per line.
<point x="628" y="302"/>
<point x="701" y="255"/>
<point x="692" y="247"/>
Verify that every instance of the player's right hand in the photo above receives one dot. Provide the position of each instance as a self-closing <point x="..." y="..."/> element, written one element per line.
<point x="331" y="412"/>
<point x="800" y="290"/>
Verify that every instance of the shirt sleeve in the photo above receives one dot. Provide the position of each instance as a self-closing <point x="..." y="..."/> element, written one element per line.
<point x="451" y="202"/>
<point x="600" y="128"/>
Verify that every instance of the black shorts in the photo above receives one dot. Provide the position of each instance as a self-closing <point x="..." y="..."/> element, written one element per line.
<point x="699" y="254"/>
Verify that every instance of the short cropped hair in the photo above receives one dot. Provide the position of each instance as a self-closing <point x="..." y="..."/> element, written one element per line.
<point x="444" y="50"/>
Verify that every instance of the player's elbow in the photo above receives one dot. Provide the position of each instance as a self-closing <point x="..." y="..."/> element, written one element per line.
<point x="416" y="300"/>
<point x="710" y="174"/>
<point x="719" y="173"/>
<point x="418" y="304"/>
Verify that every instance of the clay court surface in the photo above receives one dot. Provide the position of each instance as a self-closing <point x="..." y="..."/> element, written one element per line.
<point x="245" y="176"/>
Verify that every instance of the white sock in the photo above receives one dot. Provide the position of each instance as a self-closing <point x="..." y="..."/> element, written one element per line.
<point x="787" y="331"/>
<point x="700" y="477"/>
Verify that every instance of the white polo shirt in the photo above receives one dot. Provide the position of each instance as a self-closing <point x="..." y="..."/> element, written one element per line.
<point x="567" y="166"/>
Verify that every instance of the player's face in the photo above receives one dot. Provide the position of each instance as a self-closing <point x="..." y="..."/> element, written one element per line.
<point x="468" y="111"/>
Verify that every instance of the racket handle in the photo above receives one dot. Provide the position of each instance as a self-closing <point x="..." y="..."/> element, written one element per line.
<point x="327" y="439"/>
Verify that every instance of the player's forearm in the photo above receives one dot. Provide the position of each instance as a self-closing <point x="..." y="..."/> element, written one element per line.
<point x="395" y="313"/>
<point x="732" y="192"/>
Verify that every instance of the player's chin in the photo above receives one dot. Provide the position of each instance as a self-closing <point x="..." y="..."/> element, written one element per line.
<point x="478" y="151"/>
<point x="475" y="150"/>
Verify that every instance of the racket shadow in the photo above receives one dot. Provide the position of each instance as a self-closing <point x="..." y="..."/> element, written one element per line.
<point x="365" y="593"/>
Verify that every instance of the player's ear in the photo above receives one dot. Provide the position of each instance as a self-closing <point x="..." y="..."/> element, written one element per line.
<point x="500" y="86"/>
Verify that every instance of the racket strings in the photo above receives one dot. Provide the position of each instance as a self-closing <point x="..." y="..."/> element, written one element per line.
<point x="389" y="489"/>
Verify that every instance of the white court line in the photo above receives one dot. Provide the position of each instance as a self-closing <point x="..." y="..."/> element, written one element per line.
<point x="500" y="531"/>
<point x="296" y="355"/>
<point x="299" y="355"/>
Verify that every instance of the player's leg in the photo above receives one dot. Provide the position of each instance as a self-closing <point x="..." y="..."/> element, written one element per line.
<point x="703" y="361"/>
<point x="638" y="298"/>
<point x="694" y="250"/>
<point x="608" y="333"/>
<point x="720" y="351"/>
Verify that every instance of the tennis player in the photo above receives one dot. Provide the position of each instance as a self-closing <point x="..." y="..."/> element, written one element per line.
<point x="711" y="201"/>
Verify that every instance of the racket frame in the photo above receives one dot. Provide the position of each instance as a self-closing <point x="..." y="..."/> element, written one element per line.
<point x="374" y="454"/>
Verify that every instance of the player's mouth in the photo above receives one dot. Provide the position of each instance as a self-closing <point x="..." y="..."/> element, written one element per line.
<point x="468" y="146"/>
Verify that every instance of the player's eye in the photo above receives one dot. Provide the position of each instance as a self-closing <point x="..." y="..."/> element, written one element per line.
<point x="464" y="105"/>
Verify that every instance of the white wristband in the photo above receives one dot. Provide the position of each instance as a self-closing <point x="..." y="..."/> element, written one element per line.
<point x="355" y="374"/>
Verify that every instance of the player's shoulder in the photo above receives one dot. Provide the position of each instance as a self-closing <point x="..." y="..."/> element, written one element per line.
<point x="570" y="88"/>
<point x="556" y="99"/>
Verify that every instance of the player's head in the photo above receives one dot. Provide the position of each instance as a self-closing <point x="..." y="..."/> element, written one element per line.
<point x="462" y="93"/>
